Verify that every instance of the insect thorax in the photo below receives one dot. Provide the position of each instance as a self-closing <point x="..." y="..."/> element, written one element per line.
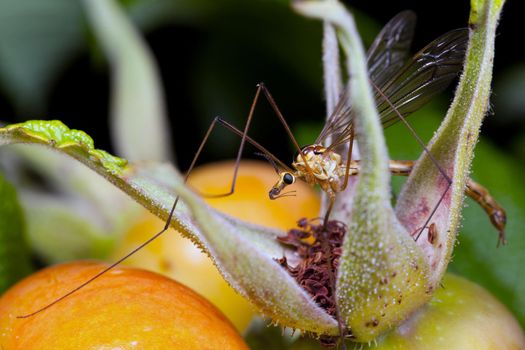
<point x="326" y="167"/>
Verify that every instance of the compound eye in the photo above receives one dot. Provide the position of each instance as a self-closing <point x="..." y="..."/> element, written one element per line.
<point x="288" y="179"/>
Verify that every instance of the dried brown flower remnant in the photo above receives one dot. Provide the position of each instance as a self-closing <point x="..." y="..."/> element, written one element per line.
<point x="312" y="272"/>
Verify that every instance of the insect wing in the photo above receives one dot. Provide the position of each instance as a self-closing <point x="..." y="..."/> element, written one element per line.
<point x="339" y="124"/>
<point x="428" y="73"/>
<point x="390" y="49"/>
<point x="387" y="54"/>
<point x="408" y="86"/>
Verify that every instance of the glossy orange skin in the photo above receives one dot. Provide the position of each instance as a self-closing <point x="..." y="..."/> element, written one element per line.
<point x="177" y="257"/>
<point x="126" y="309"/>
<point x="251" y="201"/>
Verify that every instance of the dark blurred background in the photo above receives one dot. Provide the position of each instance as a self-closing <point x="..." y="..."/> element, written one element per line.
<point x="211" y="55"/>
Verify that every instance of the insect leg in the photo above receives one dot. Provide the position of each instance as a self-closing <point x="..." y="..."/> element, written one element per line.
<point x="172" y="211"/>
<point x="110" y="267"/>
<point x="272" y="103"/>
<point x="414" y="133"/>
<point x="239" y="152"/>
<point x="326" y="247"/>
<point x="348" y="161"/>
<point x="495" y="212"/>
<point x="427" y="151"/>
<point x="477" y="192"/>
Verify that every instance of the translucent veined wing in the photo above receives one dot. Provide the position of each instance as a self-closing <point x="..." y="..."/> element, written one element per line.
<point x="390" y="49"/>
<point x="339" y="123"/>
<point x="387" y="54"/>
<point x="428" y="73"/>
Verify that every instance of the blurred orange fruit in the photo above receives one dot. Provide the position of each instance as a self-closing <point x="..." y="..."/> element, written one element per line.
<point x="250" y="202"/>
<point x="179" y="259"/>
<point x="126" y="309"/>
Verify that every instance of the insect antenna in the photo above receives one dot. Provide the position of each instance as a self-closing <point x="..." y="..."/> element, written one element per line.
<point x="287" y="194"/>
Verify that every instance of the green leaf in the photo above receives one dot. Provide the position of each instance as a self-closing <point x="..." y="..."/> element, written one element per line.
<point x="138" y="117"/>
<point x="15" y="261"/>
<point x="73" y="218"/>
<point x="63" y="229"/>
<point x="68" y="217"/>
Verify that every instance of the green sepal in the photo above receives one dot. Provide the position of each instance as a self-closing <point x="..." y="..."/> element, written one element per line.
<point x="244" y="253"/>
<point x="15" y="258"/>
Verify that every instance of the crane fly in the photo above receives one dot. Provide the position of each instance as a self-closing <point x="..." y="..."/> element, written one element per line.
<point x="402" y="85"/>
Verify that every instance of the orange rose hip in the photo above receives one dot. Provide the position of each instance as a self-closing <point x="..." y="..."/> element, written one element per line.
<point x="126" y="309"/>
